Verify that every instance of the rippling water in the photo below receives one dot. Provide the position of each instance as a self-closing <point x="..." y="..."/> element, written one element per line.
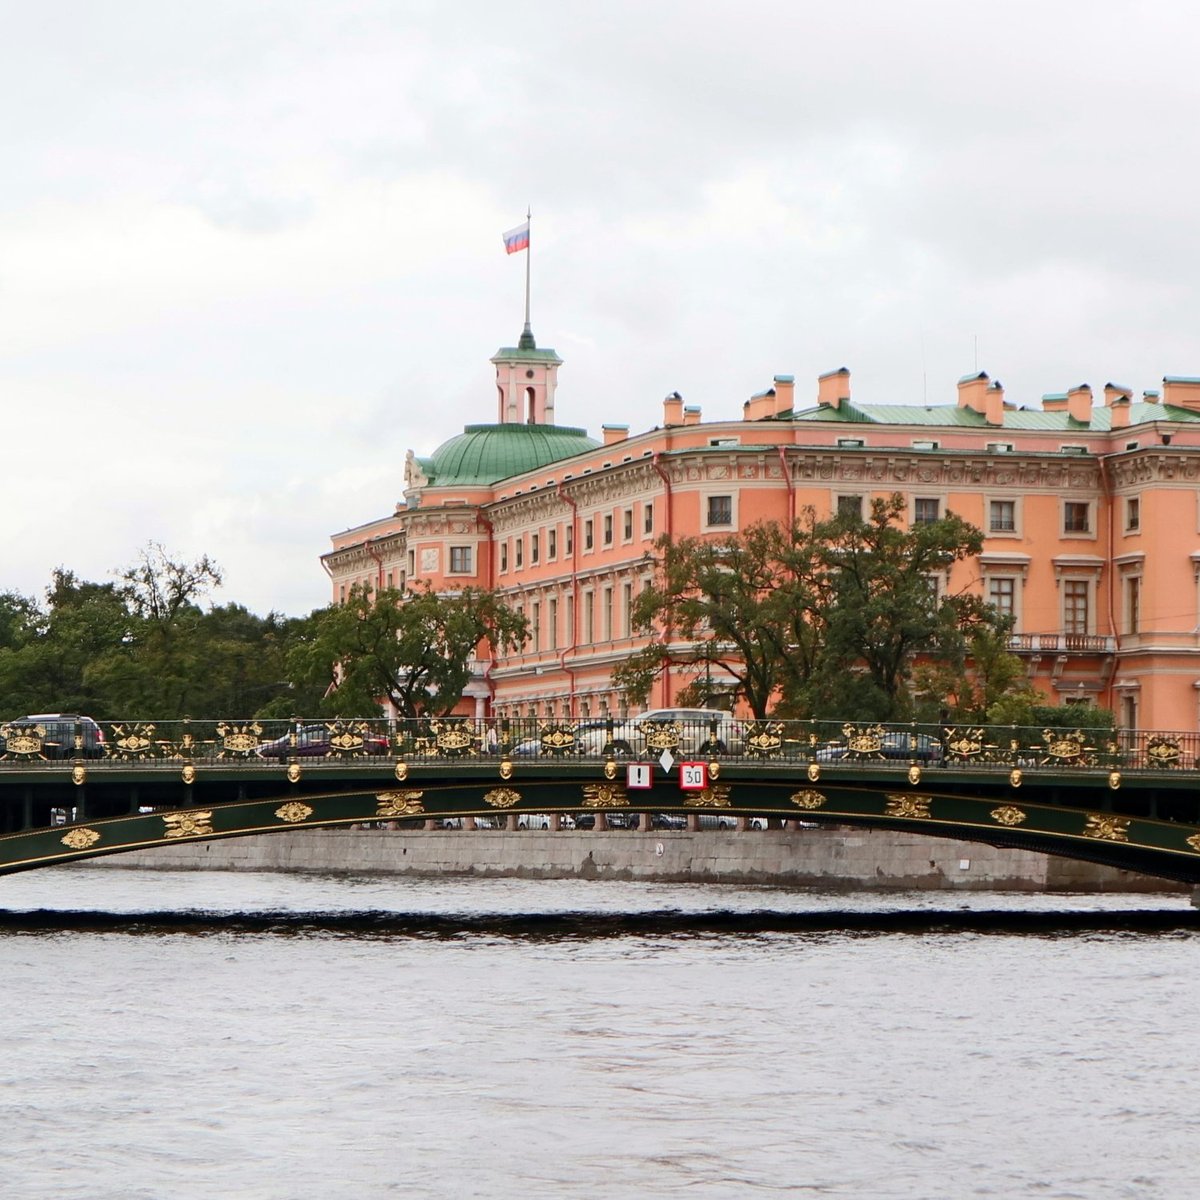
<point x="427" y="1052"/>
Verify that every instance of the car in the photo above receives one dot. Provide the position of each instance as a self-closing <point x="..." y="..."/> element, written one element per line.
<point x="718" y="821"/>
<point x="667" y="821"/>
<point x="53" y="735"/>
<point x="316" y="741"/>
<point x="590" y="738"/>
<point x="896" y="746"/>
<point x="695" y="728"/>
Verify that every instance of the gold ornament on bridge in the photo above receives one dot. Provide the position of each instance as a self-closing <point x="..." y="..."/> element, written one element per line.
<point x="610" y="768"/>
<point x="1015" y="777"/>
<point x="401" y="771"/>
<point x="506" y="768"/>
<point x="1107" y="828"/>
<point x="80" y="839"/>
<point x="716" y="795"/>
<point x="399" y="804"/>
<point x="914" y="775"/>
<point x="293" y="811"/>
<point x="1114" y="780"/>
<point x="906" y="806"/>
<point x="661" y="735"/>
<point x="293" y="772"/>
<point x="238" y="741"/>
<point x="714" y="769"/>
<point x="187" y="824"/>
<point x="501" y="797"/>
<point x="188" y="774"/>
<point x="1163" y="751"/>
<point x="1194" y="842"/>
<point x="22" y="742"/>
<point x="1008" y="814"/>
<point x="604" y="795"/>
<point x="78" y="775"/>
<point x="808" y="799"/>
<point x="132" y="741"/>
<point x="1066" y="749"/>
<point x="453" y="739"/>
<point x="557" y="740"/>
<point x="764" y="739"/>
<point x="863" y="741"/>
<point x="814" y="772"/>
<point x="965" y="744"/>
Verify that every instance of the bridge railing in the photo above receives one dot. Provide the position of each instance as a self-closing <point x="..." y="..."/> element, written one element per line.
<point x="833" y="744"/>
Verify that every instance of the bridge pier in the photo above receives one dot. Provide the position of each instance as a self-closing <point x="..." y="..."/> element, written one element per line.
<point x="1196" y="897"/>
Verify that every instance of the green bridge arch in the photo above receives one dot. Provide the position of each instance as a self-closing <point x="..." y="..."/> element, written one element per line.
<point x="1135" y="806"/>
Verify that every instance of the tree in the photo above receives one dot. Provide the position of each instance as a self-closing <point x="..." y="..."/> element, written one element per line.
<point x="824" y="618"/>
<point x="411" y="648"/>
<point x="887" y="608"/>
<point x="740" y="614"/>
<point x="157" y="587"/>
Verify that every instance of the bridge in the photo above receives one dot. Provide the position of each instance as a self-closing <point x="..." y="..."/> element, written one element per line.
<point x="1127" y="800"/>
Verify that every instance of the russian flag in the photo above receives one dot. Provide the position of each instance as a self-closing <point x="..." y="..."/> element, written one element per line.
<point x="517" y="239"/>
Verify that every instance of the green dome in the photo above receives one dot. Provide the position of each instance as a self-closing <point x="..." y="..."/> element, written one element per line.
<point x="484" y="454"/>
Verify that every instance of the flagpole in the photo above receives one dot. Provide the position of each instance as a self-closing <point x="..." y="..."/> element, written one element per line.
<point x="528" y="256"/>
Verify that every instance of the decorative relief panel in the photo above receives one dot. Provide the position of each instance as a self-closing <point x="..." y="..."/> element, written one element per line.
<point x="187" y="824"/>
<point x="907" y="806"/>
<point x="399" y="804"/>
<point x="1107" y="828"/>
<point x="80" y="839"/>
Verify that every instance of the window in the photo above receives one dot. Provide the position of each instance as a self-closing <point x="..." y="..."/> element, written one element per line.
<point x="1002" y="516"/>
<point x="460" y="560"/>
<point x="570" y="540"/>
<point x="519" y="552"/>
<point x="999" y="447"/>
<point x="924" y="445"/>
<point x="1075" y="606"/>
<point x="608" y="529"/>
<point x="648" y="518"/>
<point x="627" y="609"/>
<point x="1133" y="514"/>
<point x="535" y="625"/>
<point x="720" y="510"/>
<point x="412" y="563"/>
<point x="850" y="506"/>
<point x="503" y="556"/>
<point x="607" y="617"/>
<point x="552" y="544"/>
<point x="552" y="622"/>
<point x="850" y="443"/>
<point x="1076" y="516"/>
<point x="1133" y="604"/>
<point x="627" y="525"/>
<point x="1002" y="595"/>
<point x="925" y="510"/>
<point x="724" y="441"/>
<point x="589" y="619"/>
<point x="1072" y="449"/>
<point x="588" y="534"/>
<point x="535" y="546"/>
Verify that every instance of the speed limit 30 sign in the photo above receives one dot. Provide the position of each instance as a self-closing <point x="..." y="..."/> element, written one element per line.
<point x="693" y="776"/>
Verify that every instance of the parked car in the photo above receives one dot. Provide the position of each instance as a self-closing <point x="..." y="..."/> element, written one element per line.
<point x="896" y="746"/>
<point x="56" y="733"/>
<point x="696" y="728"/>
<point x="667" y="821"/>
<point x="585" y="738"/>
<point x="718" y="821"/>
<point x="315" y="741"/>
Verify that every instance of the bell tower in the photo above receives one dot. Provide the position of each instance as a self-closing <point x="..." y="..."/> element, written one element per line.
<point x="525" y="381"/>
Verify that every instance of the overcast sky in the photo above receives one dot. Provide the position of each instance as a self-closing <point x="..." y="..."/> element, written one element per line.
<point x="250" y="250"/>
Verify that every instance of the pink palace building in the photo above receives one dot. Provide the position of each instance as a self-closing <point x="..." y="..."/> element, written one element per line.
<point x="1090" y="505"/>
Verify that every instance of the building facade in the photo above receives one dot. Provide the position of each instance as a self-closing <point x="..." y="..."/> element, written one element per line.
<point x="1089" y="504"/>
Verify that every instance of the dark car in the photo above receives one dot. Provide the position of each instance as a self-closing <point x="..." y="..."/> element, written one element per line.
<point x="52" y="735"/>
<point x="893" y="747"/>
<point x="316" y="741"/>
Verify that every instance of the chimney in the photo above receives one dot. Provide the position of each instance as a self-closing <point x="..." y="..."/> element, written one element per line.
<point x="994" y="404"/>
<point x="833" y="387"/>
<point x="1149" y="397"/>
<point x="1079" y="404"/>
<point x="785" y="394"/>
<point x="614" y="433"/>
<point x="1119" y="409"/>
<point x="1113" y="391"/>
<point x="760" y="405"/>
<point x="1181" y="392"/>
<point x="972" y="392"/>
<point x="673" y="409"/>
<point x="1054" y="402"/>
<point x="691" y="416"/>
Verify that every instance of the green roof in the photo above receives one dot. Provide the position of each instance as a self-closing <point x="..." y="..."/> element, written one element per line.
<point x="484" y="454"/>
<point x="951" y="416"/>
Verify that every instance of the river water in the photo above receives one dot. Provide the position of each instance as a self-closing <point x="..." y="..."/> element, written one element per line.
<point x="264" y="1037"/>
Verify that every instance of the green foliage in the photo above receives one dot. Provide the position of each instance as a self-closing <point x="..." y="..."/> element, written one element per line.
<point x="412" y="648"/>
<point x="823" y="617"/>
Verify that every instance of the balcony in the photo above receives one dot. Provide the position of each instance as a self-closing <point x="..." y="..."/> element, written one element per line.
<point x="1061" y="643"/>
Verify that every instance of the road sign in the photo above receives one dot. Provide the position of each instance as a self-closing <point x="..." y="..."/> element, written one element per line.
<point x="693" y="776"/>
<point x="639" y="775"/>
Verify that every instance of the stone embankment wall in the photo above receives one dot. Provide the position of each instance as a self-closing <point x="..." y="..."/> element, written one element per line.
<point x="830" y="858"/>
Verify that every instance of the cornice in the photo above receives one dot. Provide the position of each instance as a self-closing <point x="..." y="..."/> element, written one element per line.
<point x="1156" y="466"/>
